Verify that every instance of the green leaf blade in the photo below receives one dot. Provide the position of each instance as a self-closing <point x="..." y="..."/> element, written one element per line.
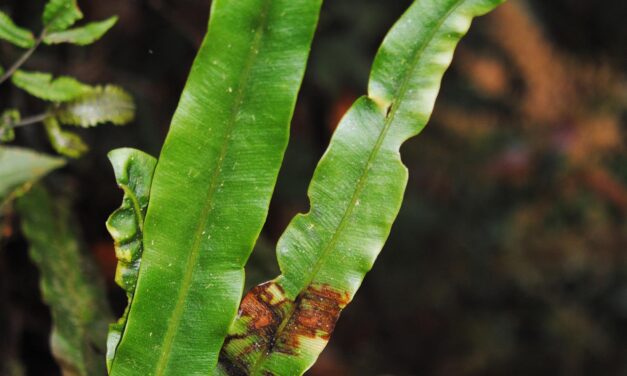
<point x="108" y="104"/>
<point x="70" y="284"/>
<point x="8" y="119"/>
<point x="44" y="86"/>
<point x="62" y="141"/>
<point x="83" y="35"/>
<point x="14" y="34"/>
<point x="20" y="166"/>
<point x="355" y="195"/>
<point x="60" y="14"/>
<point x="133" y="172"/>
<point x="213" y="184"/>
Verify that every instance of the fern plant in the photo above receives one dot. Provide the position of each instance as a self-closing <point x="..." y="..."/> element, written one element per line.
<point x="69" y="282"/>
<point x="70" y="102"/>
<point x="183" y="249"/>
<point x="189" y="219"/>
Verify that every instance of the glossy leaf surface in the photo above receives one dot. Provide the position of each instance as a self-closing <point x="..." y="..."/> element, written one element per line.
<point x="83" y="35"/>
<point x="14" y="34"/>
<point x="70" y="284"/>
<point x="133" y="172"/>
<point x="19" y="166"/>
<point x="60" y="14"/>
<point x="355" y="195"/>
<point x="213" y="184"/>
<point x="43" y="86"/>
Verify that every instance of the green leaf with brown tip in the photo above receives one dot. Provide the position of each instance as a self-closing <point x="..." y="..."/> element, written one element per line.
<point x="133" y="172"/>
<point x="44" y="86"/>
<point x="69" y="281"/>
<point x="14" y="34"/>
<point x="20" y="167"/>
<point x="64" y="142"/>
<point x="355" y="195"/>
<point x="60" y="14"/>
<point x="83" y="35"/>
<point x="108" y="104"/>
<point x="213" y="184"/>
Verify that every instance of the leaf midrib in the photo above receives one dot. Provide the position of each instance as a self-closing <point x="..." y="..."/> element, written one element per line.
<point x="176" y="317"/>
<point x="402" y="91"/>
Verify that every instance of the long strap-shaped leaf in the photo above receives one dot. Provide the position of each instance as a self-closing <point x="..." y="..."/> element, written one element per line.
<point x="70" y="284"/>
<point x="213" y="184"/>
<point x="355" y="195"/>
<point x="133" y="172"/>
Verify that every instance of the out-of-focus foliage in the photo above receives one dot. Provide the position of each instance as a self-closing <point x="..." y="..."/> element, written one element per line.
<point x="22" y="167"/>
<point x="14" y="34"/>
<point x="83" y="35"/>
<point x="60" y="14"/>
<point x="43" y="86"/>
<point x="70" y="284"/>
<point x="74" y="103"/>
<point x="108" y="104"/>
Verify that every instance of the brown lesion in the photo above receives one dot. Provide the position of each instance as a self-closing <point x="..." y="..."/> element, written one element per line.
<point x="263" y="310"/>
<point x="316" y="312"/>
<point x="274" y="323"/>
<point x="263" y="306"/>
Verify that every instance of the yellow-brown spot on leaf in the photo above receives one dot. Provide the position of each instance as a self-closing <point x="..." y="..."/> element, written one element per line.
<point x="262" y="310"/>
<point x="317" y="311"/>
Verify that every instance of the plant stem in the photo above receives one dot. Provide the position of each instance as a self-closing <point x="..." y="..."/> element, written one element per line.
<point x="22" y="59"/>
<point x="30" y="120"/>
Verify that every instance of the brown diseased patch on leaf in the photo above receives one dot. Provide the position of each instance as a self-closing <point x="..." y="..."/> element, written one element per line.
<point x="315" y="315"/>
<point x="264" y="307"/>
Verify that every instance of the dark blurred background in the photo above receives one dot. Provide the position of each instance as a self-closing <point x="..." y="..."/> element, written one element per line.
<point x="509" y="256"/>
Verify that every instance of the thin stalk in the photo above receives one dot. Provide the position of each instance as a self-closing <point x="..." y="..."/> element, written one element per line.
<point x="23" y="58"/>
<point x="30" y="120"/>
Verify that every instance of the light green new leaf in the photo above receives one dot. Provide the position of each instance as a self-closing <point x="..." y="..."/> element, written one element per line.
<point x="213" y="184"/>
<point x="43" y="86"/>
<point x="133" y="172"/>
<point x="7" y="120"/>
<point x="62" y="141"/>
<point x="108" y="104"/>
<point x="70" y="284"/>
<point x="60" y="14"/>
<point x="14" y="34"/>
<point x="20" y="166"/>
<point x="355" y="195"/>
<point x="83" y="35"/>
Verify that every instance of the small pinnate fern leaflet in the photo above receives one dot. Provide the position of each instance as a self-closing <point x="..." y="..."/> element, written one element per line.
<point x="83" y="35"/>
<point x="64" y="142"/>
<point x="355" y="195"/>
<point x="101" y="105"/>
<point x="43" y="86"/>
<point x="14" y="34"/>
<point x="60" y="14"/>
<point x="133" y="172"/>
